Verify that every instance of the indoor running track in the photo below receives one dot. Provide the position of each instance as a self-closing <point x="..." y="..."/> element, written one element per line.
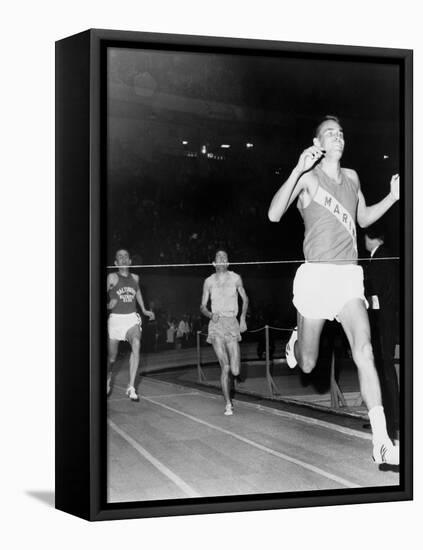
<point x="176" y="443"/>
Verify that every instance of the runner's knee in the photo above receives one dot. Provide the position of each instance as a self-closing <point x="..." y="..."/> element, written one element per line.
<point x="235" y="368"/>
<point x="234" y="361"/>
<point x="135" y="345"/>
<point x="362" y="353"/>
<point x="307" y="362"/>
<point x="225" y="370"/>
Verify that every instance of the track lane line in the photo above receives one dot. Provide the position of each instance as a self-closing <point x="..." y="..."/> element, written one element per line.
<point x="283" y="456"/>
<point x="285" y="414"/>
<point x="161" y="395"/>
<point x="185" y="488"/>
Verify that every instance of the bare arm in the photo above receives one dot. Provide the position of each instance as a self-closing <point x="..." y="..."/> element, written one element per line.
<point x="296" y="183"/>
<point x="244" y="298"/>
<point x="204" y="301"/>
<point x="367" y="215"/>
<point x="140" y="301"/>
<point x="111" y="283"/>
<point x="147" y="312"/>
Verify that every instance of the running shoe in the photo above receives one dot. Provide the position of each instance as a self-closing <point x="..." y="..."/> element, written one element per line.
<point x="229" y="410"/>
<point x="386" y="453"/>
<point x="289" y="349"/>
<point x="132" y="394"/>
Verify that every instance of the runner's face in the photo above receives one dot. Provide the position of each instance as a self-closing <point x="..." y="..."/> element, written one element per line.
<point x="122" y="258"/>
<point x="221" y="258"/>
<point x="331" y="138"/>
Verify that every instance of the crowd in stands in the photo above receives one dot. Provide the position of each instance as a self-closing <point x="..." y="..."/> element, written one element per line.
<point x="166" y="236"/>
<point x="169" y="331"/>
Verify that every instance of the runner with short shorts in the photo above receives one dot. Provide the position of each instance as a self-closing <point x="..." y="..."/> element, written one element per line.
<point x="124" y="323"/>
<point x="322" y="290"/>
<point x="224" y="331"/>
<point x="225" y="328"/>
<point x="330" y="284"/>
<point x="119" y="323"/>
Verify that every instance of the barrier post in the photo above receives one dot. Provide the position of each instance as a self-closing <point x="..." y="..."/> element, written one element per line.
<point x="273" y="389"/>
<point x="268" y="375"/>
<point x="336" y="394"/>
<point x="201" y="377"/>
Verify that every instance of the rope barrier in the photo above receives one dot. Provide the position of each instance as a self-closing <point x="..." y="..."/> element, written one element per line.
<point x="255" y="262"/>
<point x="272" y="386"/>
<point x="256" y="330"/>
<point x="337" y="397"/>
<point x="282" y="329"/>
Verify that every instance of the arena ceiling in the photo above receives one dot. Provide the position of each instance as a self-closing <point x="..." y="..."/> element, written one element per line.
<point x="161" y="99"/>
<point x="169" y="113"/>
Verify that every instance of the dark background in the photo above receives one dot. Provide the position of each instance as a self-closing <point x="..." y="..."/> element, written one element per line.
<point x="172" y="203"/>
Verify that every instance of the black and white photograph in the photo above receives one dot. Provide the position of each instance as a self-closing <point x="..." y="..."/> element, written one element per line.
<point x="163" y="166"/>
<point x="254" y="293"/>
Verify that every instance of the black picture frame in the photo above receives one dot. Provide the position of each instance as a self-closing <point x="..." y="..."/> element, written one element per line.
<point x="81" y="260"/>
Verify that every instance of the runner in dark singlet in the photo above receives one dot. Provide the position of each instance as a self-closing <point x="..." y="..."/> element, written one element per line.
<point x="124" y="322"/>
<point x="330" y="283"/>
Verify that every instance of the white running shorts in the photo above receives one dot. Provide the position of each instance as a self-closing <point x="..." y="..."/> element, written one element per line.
<point x="119" y="323"/>
<point x="322" y="290"/>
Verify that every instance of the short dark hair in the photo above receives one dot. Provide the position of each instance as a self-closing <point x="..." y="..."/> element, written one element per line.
<point x="325" y="119"/>
<point x="122" y="248"/>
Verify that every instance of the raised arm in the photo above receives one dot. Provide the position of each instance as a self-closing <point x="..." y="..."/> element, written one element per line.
<point x="297" y="182"/>
<point x="367" y="215"/>
<point x="244" y="298"/>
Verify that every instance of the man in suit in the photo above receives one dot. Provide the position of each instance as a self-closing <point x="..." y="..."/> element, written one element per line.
<point x="381" y="284"/>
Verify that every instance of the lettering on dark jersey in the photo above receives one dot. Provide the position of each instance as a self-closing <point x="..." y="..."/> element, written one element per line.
<point x="126" y="294"/>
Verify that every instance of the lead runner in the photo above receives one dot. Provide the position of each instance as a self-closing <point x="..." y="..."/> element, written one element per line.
<point x="330" y="283"/>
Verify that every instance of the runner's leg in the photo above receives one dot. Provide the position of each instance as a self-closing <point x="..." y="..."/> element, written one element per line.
<point x="355" y="321"/>
<point x="222" y="356"/>
<point x="134" y="338"/>
<point x="234" y="356"/>
<point x="113" y="346"/>
<point x="306" y="348"/>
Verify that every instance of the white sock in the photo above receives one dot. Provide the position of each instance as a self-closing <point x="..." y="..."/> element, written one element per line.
<point x="378" y="424"/>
